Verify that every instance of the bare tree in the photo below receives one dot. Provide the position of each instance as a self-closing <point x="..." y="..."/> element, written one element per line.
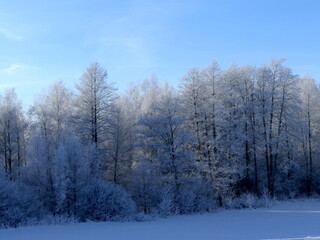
<point x="94" y="100"/>
<point x="310" y="97"/>
<point x="13" y="127"/>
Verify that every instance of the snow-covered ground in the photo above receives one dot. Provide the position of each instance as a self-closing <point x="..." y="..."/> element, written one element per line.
<point x="285" y="220"/>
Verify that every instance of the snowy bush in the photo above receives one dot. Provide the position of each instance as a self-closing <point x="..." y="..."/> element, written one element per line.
<point x="166" y="205"/>
<point x="145" y="188"/>
<point x="265" y="199"/>
<point x="102" y="201"/>
<point x="205" y="197"/>
<point x="18" y="205"/>
<point x="58" y="219"/>
<point x="187" y="201"/>
<point x="247" y="200"/>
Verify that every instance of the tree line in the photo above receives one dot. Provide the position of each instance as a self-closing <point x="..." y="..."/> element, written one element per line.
<point x="95" y="154"/>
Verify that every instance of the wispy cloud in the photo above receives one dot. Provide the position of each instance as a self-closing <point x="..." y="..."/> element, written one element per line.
<point x="19" y="84"/>
<point x="16" y="67"/>
<point x="9" y="35"/>
<point x="133" y="41"/>
<point x="13" y="68"/>
<point x="135" y="47"/>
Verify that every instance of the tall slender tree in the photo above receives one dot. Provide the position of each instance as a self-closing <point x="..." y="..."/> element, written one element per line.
<point x="13" y="127"/>
<point x="95" y="97"/>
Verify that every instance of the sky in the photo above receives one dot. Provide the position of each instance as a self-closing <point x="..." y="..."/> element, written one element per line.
<point x="42" y="42"/>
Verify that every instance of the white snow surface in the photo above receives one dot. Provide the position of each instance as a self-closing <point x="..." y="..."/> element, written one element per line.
<point x="290" y="220"/>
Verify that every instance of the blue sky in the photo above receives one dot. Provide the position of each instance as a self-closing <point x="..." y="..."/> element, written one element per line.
<point x="45" y="41"/>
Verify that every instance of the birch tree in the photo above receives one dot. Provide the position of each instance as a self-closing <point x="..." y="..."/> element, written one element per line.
<point x="310" y="97"/>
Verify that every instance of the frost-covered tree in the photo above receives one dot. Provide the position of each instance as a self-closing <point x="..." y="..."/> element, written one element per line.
<point x="233" y="126"/>
<point x="13" y="128"/>
<point x="50" y="119"/>
<point x="165" y="138"/>
<point x="120" y="147"/>
<point x="193" y="90"/>
<point x="276" y="101"/>
<point x="310" y="96"/>
<point x="94" y="100"/>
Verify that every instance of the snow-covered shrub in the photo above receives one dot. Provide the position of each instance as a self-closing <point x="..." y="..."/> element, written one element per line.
<point x="102" y="201"/>
<point x="166" y="206"/>
<point x="18" y="205"/>
<point x="58" y="219"/>
<point x="145" y="188"/>
<point x="229" y="200"/>
<point x="206" y="198"/>
<point x="197" y="196"/>
<point x="265" y="199"/>
<point x="187" y="200"/>
<point x="247" y="200"/>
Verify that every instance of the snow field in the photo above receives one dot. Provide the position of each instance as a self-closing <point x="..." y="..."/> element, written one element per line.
<point x="290" y="220"/>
